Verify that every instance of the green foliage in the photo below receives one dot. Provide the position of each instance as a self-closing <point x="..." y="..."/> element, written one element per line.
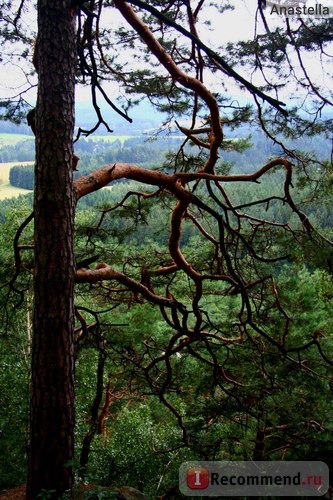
<point x="13" y="111"/>
<point x="143" y="445"/>
<point x="99" y="494"/>
<point x="22" y="176"/>
<point x="46" y="494"/>
<point x="21" y="151"/>
<point x="15" y="339"/>
<point x="135" y="453"/>
<point x="221" y="420"/>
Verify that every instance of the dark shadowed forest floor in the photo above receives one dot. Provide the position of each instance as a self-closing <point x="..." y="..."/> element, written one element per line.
<point x="18" y="493"/>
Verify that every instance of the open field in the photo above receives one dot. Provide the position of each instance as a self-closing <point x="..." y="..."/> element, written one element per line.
<point x="5" y="168"/>
<point x="12" y="139"/>
<point x="6" y="190"/>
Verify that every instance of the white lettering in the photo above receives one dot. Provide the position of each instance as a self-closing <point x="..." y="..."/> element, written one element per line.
<point x="197" y="478"/>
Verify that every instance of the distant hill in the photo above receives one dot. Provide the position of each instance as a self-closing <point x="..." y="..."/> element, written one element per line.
<point x="143" y="116"/>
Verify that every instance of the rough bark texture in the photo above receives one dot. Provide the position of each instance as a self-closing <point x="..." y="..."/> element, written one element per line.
<point x="52" y="388"/>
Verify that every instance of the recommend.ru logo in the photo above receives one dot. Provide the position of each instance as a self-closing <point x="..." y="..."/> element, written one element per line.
<point x="253" y="478"/>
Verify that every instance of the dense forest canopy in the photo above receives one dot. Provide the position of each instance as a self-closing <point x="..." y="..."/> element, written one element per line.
<point x="195" y="288"/>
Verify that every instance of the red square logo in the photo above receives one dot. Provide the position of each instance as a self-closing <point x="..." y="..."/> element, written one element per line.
<point x="197" y="478"/>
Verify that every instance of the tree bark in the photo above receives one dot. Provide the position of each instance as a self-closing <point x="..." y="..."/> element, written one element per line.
<point x="51" y="446"/>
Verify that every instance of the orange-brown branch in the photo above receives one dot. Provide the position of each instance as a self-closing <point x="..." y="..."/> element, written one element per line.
<point x="179" y="76"/>
<point x="106" y="272"/>
<point x="175" y="182"/>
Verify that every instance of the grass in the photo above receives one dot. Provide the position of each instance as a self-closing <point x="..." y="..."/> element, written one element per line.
<point x="5" y="168"/>
<point x="6" y="190"/>
<point x="12" y="139"/>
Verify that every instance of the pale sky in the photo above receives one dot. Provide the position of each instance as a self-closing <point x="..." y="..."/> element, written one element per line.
<point x="237" y="24"/>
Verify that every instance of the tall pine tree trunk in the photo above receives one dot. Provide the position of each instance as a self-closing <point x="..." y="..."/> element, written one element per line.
<point x="52" y="386"/>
